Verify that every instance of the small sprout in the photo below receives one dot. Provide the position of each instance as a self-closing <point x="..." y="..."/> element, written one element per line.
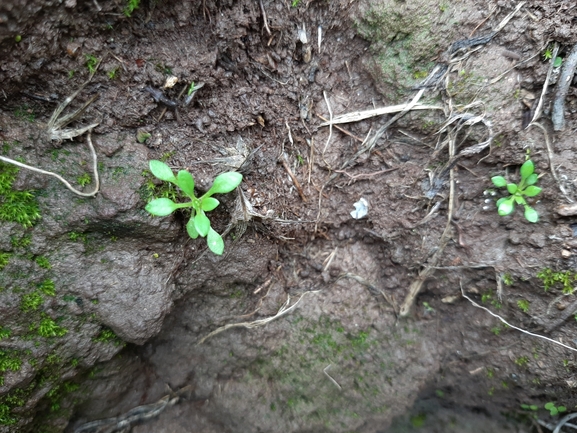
<point x="199" y="224"/>
<point x="142" y="136"/>
<point x="525" y="188"/>
<point x="131" y="6"/>
<point x="18" y="38"/>
<point x="558" y="62"/>
<point x="112" y="73"/>
<point x="554" y="410"/>
<point x="48" y="328"/>
<point x="91" y="62"/>
<point x="529" y="407"/>
<point x="522" y="361"/>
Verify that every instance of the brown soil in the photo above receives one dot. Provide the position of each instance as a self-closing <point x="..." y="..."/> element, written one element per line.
<point x="265" y="91"/>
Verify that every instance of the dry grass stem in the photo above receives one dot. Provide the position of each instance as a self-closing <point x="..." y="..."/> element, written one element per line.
<point x="357" y="116"/>
<point x="330" y="122"/>
<point x="294" y="179"/>
<point x="343" y="130"/>
<point x="539" y="108"/>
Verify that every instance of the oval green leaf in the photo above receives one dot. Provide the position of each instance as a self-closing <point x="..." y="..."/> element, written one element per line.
<point x="190" y="229"/>
<point x="532" y="191"/>
<point x="499" y="181"/>
<point x="512" y="188"/>
<point x="532" y="180"/>
<point x="161" y="171"/>
<point x="225" y="182"/>
<point x="501" y="200"/>
<point x="527" y="169"/>
<point x="209" y="203"/>
<point x="201" y="223"/>
<point x="531" y="214"/>
<point x="215" y="242"/>
<point x="185" y="182"/>
<point x="506" y="207"/>
<point x="161" y="207"/>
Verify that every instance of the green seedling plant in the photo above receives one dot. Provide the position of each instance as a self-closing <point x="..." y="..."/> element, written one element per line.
<point x="525" y="188"/>
<point x="554" y="410"/>
<point x="199" y="224"/>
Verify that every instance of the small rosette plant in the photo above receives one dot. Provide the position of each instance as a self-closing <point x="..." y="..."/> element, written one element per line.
<point x="525" y="188"/>
<point x="199" y="224"/>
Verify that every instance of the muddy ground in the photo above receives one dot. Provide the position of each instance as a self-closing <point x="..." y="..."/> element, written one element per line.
<point x="105" y="308"/>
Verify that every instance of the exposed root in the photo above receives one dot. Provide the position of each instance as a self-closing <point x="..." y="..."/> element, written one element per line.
<point x="513" y="326"/>
<point x="136" y="415"/>
<point x="60" y="178"/>
<point x="284" y="309"/>
<point x="330" y="377"/>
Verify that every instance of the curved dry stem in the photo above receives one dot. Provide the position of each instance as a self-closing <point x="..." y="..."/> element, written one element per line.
<point x="60" y="178"/>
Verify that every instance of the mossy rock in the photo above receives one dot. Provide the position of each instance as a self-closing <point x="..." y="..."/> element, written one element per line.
<point x="405" y="39"/>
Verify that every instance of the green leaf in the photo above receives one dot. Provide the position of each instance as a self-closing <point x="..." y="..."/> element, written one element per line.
<point x="506" y="207"/>
<point x="554" y="411"/>
<point x="512" y="188"/>
<point x="201" y="223"/>
<point x="215" y="242"/>
<point x="499" y="181"/>
<point x="531" y="191"/>
<point x="520" y="200"/>
<point x="208" y="203"/>
<point x="527" y="169"/>
<point x="531" y="214"/>
<point x="549" y="405"/>
<point x="532" y="180"/>
<point x="191" y="230"/>
<point x="561" y="408"/>
<point x="161" y="207"/>
<point x="185" y="181"/>
<point x="224" y="183"/>
<point x="501" y="200"/>
<point x="162" y="171"/>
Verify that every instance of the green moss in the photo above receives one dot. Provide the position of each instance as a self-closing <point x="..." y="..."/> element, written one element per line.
<point x="4" y="258"/>
<point x="106" y="335"/>
<point x="48" y="328"/>
<point x="21" y="242"/>
<point x="405" y="38"/>
<point x="48" y="287"/>
<point x="31" y="302"/>
<point x="563" y="279"/>
<point x="84" y="179"/>
<point x="4" y="332"/>
<point x="43" y="262"/>
<point x="16" y="206"/>
<point x="10" y="360"/>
